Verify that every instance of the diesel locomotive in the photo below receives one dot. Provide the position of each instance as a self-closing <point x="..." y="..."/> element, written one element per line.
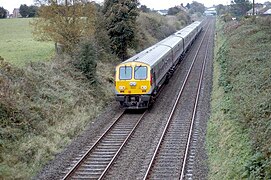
<point x="139" y="79"/>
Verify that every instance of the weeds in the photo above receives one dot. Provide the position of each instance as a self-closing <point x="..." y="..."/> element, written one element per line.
<point x="244" y="60"/>
<point x="43" y="106"/>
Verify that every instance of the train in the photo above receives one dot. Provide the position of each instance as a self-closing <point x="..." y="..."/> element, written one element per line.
<point x="139" y="79"/>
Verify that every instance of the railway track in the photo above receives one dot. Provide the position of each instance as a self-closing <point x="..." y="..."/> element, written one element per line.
<point x="172" y="152"/>
<point x="95" y="163"/>
<point x="169" y="160"/>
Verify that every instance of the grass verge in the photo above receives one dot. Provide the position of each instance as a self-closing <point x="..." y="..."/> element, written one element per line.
<point x="239" y="132"/>
<point x="43" y="106"/>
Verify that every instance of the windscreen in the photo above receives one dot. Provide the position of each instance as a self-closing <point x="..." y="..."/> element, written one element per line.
<point x="125" y="72"/>
<point x="140" y="72"/>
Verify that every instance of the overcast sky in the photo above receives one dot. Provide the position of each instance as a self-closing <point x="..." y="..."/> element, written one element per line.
<point x="153" y="4"/>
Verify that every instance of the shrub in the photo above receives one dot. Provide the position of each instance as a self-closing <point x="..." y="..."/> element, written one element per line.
<point x="86" y="60"/>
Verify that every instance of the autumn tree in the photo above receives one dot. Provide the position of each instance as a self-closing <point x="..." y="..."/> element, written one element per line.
<point x="65" y="22"/>
<point x="121" y="24"/>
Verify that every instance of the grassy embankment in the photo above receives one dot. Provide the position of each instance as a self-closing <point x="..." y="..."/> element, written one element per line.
<point x="17" y="44"/>
<point x="239" y="129"/>
<point x="45" y="104"/>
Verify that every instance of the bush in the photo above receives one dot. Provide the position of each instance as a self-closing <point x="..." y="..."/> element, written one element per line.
<point x="86" y="60"/>
<point x="153" y="27"/>
<point x="43" y="106"/>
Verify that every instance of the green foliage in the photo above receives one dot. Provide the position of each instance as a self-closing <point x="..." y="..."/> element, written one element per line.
<point x="145" y="9"/>
<point x="32" y="11"/>
<point x="258" y="167"/>
<point x="183" y="18"/>
<point x="245" y="80"/>
<point x="87" y="59"/>
<point x="3" y="13"/>
<point x="156" y="25"/>
<point x="65" y="24"/>
<point x="226" y="17"/>
<point x="221" y="9"/>
<point x="196" y="7"/>
<point x="174" y="10"/>
<point x="121" y="24"/>
<point x="227" y="143"/>
<point x="44" y="106"/>
<point x="239" y="8"/>
<point x="24" y="10"/>
<point x="102" y="37"/>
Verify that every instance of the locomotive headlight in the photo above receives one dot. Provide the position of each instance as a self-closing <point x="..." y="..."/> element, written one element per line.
<point x="121" y="88"/>
<point x="144" y="87"/>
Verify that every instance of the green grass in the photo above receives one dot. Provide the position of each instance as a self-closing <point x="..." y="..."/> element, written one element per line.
<point x="42" y="108"/>
<point x="17" y="45"/>
<point x="228" y="146"/>
<point x="238" y="135"/>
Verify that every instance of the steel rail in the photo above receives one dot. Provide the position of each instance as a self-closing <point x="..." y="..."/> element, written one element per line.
<point x="174" y="108"/>
<point x="125" y="141"/>
<point x="77" y="165"/>
<point x="195" y="111"/>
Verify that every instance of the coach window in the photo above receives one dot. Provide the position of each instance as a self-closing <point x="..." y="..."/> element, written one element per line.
<point x="140" y="72"/>
<point x="125" y="72"/>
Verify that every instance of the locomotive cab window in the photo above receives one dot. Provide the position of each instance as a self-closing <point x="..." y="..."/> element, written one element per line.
<point x="125" y="72"/>
<point x="140" y="72"/>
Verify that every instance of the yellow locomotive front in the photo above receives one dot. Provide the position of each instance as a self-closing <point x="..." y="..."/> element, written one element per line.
<point x="133" y="85"/>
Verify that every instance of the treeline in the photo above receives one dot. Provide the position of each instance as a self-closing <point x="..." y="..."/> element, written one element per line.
<point x="191" y="8"/>
<point x="113" y="27"/>
<point x="28" y="11"/>
<point x="237" y="9"/>
<point x="24" y="10"/>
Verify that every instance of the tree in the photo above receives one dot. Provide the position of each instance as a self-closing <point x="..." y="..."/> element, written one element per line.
<point x="196" y="7"/>
<point x="66" y="23"/>
<point x="24" y="10"/>
<point x="239" y="7"/>
<point x="3" y="12"/>
<point x="174" y="10"/>
<point x="121" y="24"/>
<point x="188" y="6"/>
<point x="144" y="9"/>
<point x="33" y="11"/>
<point x="221" y="9"/>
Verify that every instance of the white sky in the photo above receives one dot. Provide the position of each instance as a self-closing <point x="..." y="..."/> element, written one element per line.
<point x="153" y="4"/>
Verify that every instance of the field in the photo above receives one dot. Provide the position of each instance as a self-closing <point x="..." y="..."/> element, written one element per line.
<point x="17" y="44"/>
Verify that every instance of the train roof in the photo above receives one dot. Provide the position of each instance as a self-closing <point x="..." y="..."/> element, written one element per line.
<point x="150" y="57"/>
<point x="142" y="53"/>
<point x="170" y="41"/>
<point x="185" y="31"/>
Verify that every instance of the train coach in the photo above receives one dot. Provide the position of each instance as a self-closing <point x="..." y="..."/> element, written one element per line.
<point x="138" y="79"/>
